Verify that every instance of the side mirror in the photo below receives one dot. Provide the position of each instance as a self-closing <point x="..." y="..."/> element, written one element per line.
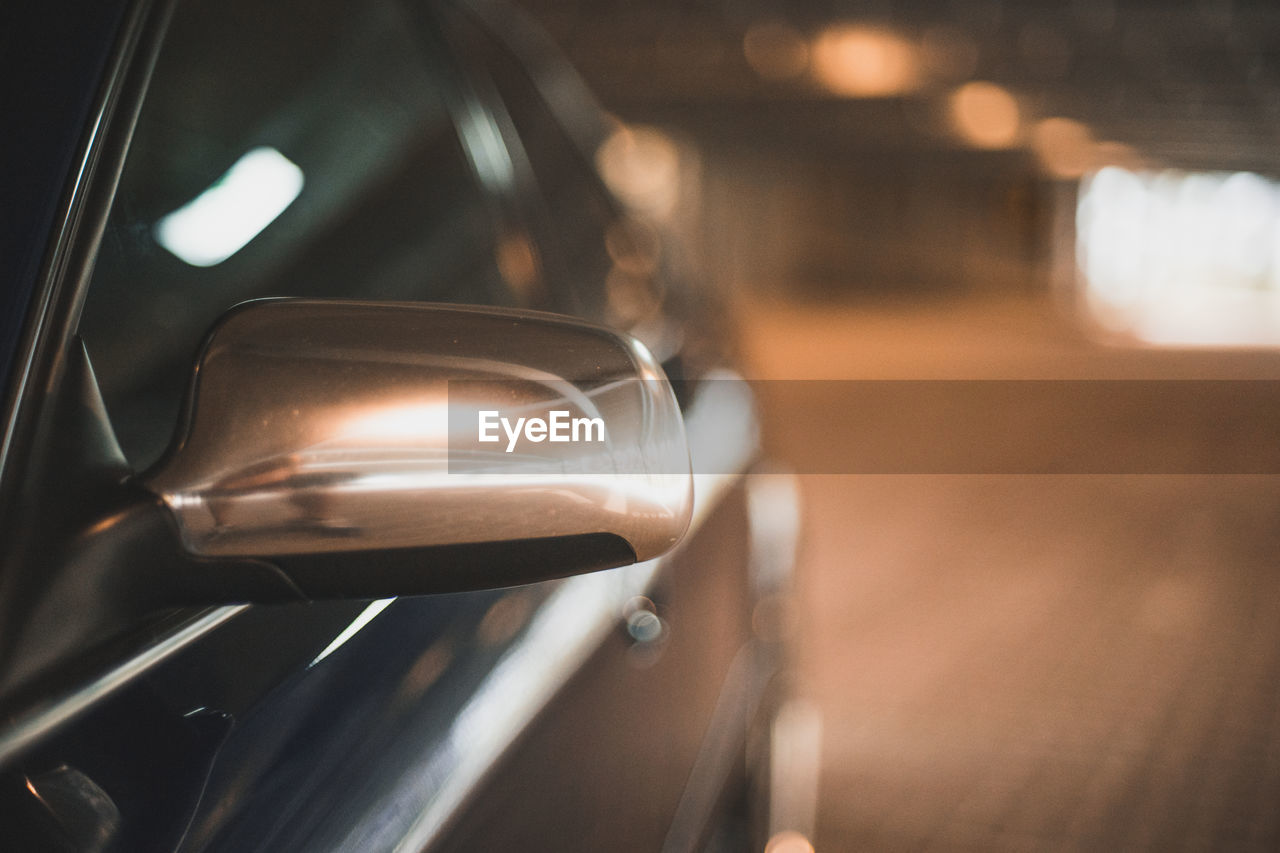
<point x="372" y="449"/>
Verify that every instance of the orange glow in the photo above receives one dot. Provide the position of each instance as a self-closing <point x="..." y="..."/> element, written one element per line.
<point x="985" y="115"/>
<point x="788" y="842"/>
<point x="504" y="618"/>
<point x="410" y="421"/>
<point x="518" y="262"/>
<point x="1112" y="153"/>
<point x="776" y="51"/>
<point x="429" y="666"/>
<point x="1067" y="150"/>
<point x="861" y="62"/>
<point x="1064" y="147"/>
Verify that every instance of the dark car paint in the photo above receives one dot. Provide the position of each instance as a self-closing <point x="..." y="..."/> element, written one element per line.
<point x="606" y="765"/>
<point x="242" y="736"/>
<point x="238" y="743"/>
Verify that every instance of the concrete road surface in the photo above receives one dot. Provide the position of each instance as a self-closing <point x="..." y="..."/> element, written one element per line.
<point x="1017" y="662"/>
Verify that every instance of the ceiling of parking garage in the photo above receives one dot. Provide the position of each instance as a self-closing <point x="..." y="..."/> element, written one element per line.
<point x="1188" y="84"/>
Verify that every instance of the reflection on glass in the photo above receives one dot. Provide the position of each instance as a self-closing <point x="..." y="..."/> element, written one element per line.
<point x="504" y="618"/>
<point x="519" y="265"/>
<point x="641" y="165"/>
<point x="224" y="218"/>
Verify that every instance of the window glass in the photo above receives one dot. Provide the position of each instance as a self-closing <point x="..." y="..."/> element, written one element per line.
<point x="571" y="205"/>
<point x="289" y="149"/>
<point x="611" y="253"/>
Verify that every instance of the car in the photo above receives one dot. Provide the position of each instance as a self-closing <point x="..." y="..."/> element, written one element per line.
<point x="265" y="264"/>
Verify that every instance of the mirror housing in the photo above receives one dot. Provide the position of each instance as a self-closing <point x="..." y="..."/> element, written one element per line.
<point x="372" y="449"/>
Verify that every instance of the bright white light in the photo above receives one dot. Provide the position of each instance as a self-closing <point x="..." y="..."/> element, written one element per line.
<point x="220" y="221"/>
<point x="366" y="616"/>
<point x="1182" y="258"/>
<point x="421" y="423"/>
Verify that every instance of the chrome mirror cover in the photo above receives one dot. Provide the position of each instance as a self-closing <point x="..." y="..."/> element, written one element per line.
<point x="333" y="426"/>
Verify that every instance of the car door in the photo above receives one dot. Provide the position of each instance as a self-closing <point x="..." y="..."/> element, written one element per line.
<point x="468" y="720"/>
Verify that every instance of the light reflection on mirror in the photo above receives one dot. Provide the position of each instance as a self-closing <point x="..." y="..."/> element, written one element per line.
<point x="417" y="422"/>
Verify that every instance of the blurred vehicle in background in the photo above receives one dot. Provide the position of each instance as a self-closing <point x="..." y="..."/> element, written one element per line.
<point x="186" y="158"/>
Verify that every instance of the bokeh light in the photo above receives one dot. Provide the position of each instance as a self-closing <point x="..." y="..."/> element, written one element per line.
<point x="985" y="115"/>
<point x="1182" y="257"/>
<point x="864" y="62"/>
<point x="1064" y="147"/>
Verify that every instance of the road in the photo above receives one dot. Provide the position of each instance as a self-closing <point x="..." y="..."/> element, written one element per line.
<point x="1017" y="662"/>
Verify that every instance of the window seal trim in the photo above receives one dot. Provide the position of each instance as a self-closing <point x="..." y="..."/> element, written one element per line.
<point x="48" y="338"/>
<point x="34" y="724"/>
<point x="53" y="312"/>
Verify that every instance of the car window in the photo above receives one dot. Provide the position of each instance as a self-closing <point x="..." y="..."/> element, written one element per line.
<point x="571" y="203"/>
<point x="291" y="149"/>
<point x="613" y="257"/>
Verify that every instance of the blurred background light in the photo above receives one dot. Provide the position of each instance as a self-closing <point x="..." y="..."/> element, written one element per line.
<point x="233" y="210"/>
<point x="865" y="62"/>
<point x="985" y="115"/>
<point x="1064" y="147"/>
<point x="1182" y="257"/>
